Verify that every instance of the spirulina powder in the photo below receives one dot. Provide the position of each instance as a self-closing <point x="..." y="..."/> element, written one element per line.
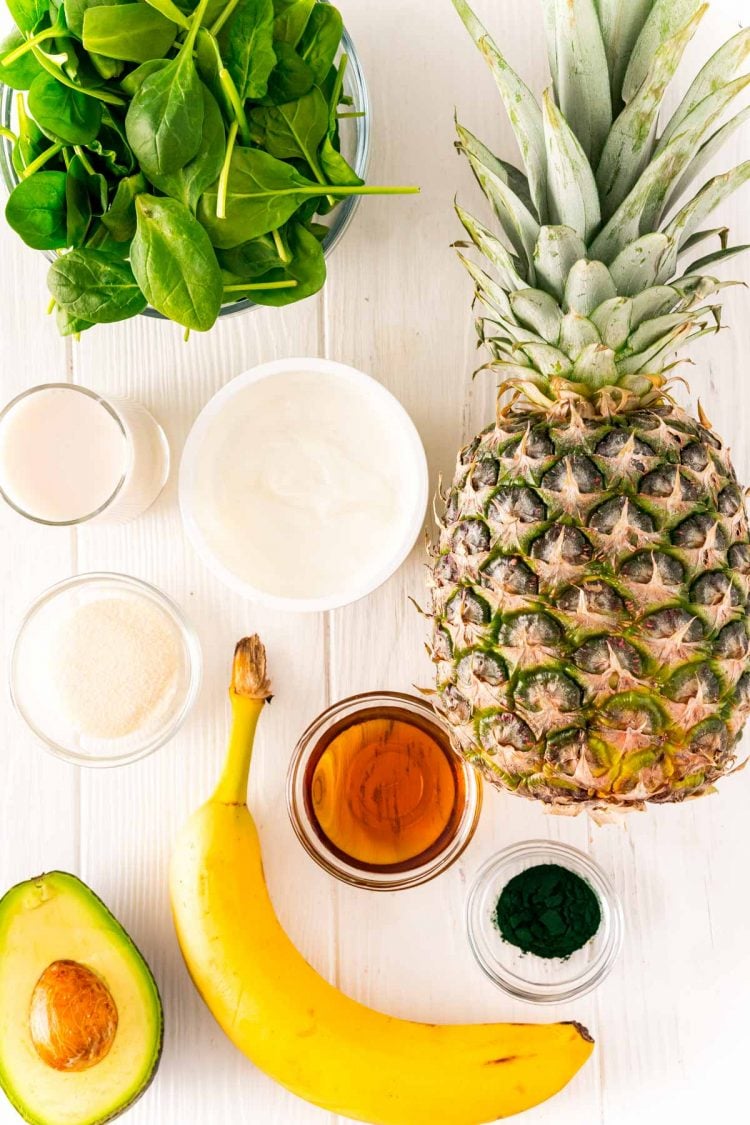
<point x="548" y="910"/>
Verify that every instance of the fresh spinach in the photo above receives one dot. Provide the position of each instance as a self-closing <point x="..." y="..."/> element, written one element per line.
<point x="321" y="39"/>
<point x="138" y="123"/>
<point x="130" y="32"/>
<point x="93" y="286"/>
<point x="36" y="210"/>
<point x="294" y="129"/>
<point x="165" y="117"/>
<point x="291" y="22"/>
<point x="63" y="113"/>
<point x="175" y="264"/>
<point x="119" y="219"/>
<point x="307" y="268"/>
<point x="246" y="46"/>
<point x="78" y="208"/>
<point x="188" y="184"/>
<point x="19" y="74"/>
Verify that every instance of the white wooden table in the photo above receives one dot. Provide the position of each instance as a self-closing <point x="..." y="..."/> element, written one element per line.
<point x="671" y="1022"/>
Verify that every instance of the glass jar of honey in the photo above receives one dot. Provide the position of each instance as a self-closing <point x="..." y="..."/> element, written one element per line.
<point x="376" y="794"/>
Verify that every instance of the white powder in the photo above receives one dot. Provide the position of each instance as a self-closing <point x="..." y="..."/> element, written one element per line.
<point x="115" y="665"/>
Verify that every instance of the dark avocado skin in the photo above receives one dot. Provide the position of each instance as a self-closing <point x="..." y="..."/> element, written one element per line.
<point x="107" y="913"/>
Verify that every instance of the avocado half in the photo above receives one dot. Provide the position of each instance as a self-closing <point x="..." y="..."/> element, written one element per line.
<point x="81" y="1022"/>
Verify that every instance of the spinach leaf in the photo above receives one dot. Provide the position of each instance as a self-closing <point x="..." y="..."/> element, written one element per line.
<point x="132" y="82"/>
<point x="246" y="43"/>
<point x="293" y="129"/>
<point x="290" y="78"/>
<point x="321" y="39"/>
<point x="69" y="325"/>
<point x="27" y="13"/>
<point x="78" y="210"/>
<point x="335" y="167"/>
<point x="307" y="268"/>
<point x="251" y="259"/>
<point x="262" y="193"/>
<point x="120" y="218"/>
<point x="36" y="210"/>
<point x="290" y="23"/>
<point x="131" y="32"/>
<point x="19" y="74"/>
<point x="63" y="113"/>
<point x="105" y="67"/>
<point x="30" y="144"/>
<point x="189" y="183"/>
<point x="175" y="264"/>
<point x="165" y="117"/>
<point x="75" y="11"/>
<point x="93" y="286"/>
<point x="112" y="147"/>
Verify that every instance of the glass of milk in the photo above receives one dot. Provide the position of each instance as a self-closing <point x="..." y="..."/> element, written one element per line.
<point x="69" y="456"/>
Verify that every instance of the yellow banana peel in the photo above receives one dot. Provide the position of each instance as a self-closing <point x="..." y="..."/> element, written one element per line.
<point x="297" y="1027"/>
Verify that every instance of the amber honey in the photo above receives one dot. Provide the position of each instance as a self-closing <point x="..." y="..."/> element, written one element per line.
<point x="384" y="790"/>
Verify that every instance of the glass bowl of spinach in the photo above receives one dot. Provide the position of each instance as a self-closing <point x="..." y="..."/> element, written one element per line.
<point x="181" y="161"/>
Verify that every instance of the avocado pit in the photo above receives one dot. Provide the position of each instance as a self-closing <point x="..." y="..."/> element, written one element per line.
<point x="72" y="1017"/>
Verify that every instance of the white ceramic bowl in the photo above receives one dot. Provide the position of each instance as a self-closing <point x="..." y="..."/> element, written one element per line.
<point x="416" y="487"/>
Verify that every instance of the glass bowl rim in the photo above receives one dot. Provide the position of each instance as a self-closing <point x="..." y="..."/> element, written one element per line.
<point x="342" y="215"/>
<point x="332" y="864"/>
<point x="612" y="910"/>
<point x="191" y="644"/>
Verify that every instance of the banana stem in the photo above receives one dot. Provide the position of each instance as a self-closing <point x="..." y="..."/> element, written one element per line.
<point x="232" y="787"/>
<point x="249" y="691"/>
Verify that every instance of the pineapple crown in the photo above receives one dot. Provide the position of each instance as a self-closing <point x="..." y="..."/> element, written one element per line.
<point x="594" y="297"/>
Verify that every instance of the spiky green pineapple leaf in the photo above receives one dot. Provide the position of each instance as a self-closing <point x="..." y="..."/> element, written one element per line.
<point x="548" y="360"/>
<point x="576" y="334"/>
<point x="493" y="250"/>
<point x="690" y="217"/>
<point x="468" y="144"/>
<point x="596" y="366"/>
<point x="632" y="140"/>
<point x="557" y="250"/>
<point x="522" y="108"/>
<point x="664" y="20"/>
<point x="589" y="285"/>
<point x="539" y="311"/>
<point x="656" y="330"/>
<point x="643" y="207"/>
<point x="702" y="264"/>
<point x="722" y="65"/>
<point x="520" y="226"/>
<point x="621" y="24"/>
<point x="638" y="266"/>
<point x="614" y="320"/>
<point x="722" y="233"/>
<point x="579" y="69"/>
<point x="656" y="301"/>
<point x="652" y="358"/>
<point x="705" y="155"/>
<point x="573" y="198"/>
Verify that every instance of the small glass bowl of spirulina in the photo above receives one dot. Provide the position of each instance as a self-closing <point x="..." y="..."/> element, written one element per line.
<point x="527" y="975"/>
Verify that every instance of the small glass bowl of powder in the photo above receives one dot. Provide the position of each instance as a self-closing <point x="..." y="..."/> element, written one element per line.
<point x="105" y="669"/>
<point x="544" y="921"/>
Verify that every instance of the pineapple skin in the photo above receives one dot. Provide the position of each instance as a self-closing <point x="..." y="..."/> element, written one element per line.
<point x="590" y="607"/>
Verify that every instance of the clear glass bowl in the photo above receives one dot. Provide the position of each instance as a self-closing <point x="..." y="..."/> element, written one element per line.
<point x="385" y="878"/>
<point x="523" y="975"/>
<point x="355" y="147"/>
<point x="34" y="700"/>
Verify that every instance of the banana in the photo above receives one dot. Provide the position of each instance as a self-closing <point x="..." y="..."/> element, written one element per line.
<point x="301" y="1030"/>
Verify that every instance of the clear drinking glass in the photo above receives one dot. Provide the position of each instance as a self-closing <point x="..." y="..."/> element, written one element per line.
<point x="145" y="459"/>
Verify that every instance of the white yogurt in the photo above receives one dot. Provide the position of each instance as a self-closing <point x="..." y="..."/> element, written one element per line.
<point x="66" y="456"/>
<point x="304" y="484"/>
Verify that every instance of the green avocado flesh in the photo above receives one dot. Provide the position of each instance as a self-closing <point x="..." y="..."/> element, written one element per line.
<point x="56" y="918"/>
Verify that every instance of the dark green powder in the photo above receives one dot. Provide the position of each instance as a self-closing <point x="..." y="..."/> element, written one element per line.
<point x="548" y="910"/>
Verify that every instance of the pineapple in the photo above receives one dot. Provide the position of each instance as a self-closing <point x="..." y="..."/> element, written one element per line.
<point x="591" y="580"/>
